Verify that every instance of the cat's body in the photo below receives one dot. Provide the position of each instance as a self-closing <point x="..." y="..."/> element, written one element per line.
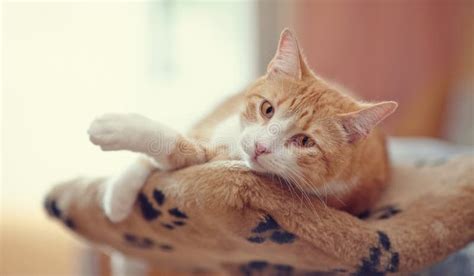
<point x="289" y="123"/>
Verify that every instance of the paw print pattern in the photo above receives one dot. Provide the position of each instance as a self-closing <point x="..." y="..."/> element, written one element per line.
<point x="253" y="266"/>
<point x="260" y="267"/>
<point x="385" y="212"/>
<point x="371" y="265"/>
<point x="388" y="212"/>
<point x="159" y="197"/>
<point x="53" y="210"/>
<point x="177" y="213"/>
<point x="283" y="270"/>
<point x="268" y="228"/>
<point x="150" y="213"/>
<point x="145" y="243"/>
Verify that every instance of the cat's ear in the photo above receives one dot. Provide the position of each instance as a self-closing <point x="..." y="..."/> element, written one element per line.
<point x="287" y="60"/>
<point x="358" y="124"/>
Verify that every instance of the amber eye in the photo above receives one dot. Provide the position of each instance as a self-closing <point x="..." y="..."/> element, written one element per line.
<point x="302" y="140"/>
<point x="267" y="109"/>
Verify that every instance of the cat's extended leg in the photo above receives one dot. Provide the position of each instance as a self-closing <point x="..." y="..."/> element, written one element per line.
<point x="121" y="190"/>
<point x="137" y="133"/>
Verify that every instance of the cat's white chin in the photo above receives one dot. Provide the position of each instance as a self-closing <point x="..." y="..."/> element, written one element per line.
<point x="256" y="166"/>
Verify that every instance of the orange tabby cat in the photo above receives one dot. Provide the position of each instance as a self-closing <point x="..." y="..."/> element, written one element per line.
<point x="291" y="124"/>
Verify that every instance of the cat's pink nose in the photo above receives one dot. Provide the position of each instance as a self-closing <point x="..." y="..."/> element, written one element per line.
<point x="260" y="149"/>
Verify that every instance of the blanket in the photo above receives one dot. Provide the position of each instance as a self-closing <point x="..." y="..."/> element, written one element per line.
<point x="220" y="217"/>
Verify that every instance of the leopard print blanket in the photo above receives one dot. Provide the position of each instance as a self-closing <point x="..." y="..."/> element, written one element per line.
<point x="196" y="220"/>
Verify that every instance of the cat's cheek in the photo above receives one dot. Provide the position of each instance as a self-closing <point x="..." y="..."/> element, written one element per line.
<point x="245" y="148"/>
<point x="247" y="143"/>
<point x="287" y="159"/>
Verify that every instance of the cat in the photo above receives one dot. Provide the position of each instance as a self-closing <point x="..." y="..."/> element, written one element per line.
<point x="289" y="123"/>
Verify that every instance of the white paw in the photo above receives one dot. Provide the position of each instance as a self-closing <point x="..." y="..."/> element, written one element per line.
<point x="122" y="190"/>
<point x="114" y="131"/>
<point x="120" y="195"/>
<point x="116" y="210"/>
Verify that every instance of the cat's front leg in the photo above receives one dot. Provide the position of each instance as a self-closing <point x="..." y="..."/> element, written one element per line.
<point x="134" y="132"/>
<point x="121" y="191"/>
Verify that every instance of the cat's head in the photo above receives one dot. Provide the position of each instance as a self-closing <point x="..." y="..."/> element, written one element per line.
<point x="297" y="126"/>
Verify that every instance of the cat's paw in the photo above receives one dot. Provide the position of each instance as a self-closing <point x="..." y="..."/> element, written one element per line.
<point x="115" y="131"/>
<point x="116" y="204"/>
<point x="121" y="191"/>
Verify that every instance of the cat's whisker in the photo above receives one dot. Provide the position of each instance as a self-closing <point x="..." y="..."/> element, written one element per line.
<point x="311" y="205"/>
<point x="296" y="191"/>
<point x="294" y="179"/>
<point x="316" y="191"/>
<point x="307" y="183"/>
<point x="290" y="184"/>
<point x="305" y="194"/>
<point x="277" y="166"/>
<point x="334" y="194"/>
<point x="274" y="164"/>
<point x="295" y="182"/>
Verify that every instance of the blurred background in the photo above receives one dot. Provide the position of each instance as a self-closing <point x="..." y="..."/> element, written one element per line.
<point x="63" y="63"/>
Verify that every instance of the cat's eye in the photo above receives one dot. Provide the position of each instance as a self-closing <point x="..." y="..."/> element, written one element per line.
<point x="267" y="109"/>
<point x="302" y="140"/>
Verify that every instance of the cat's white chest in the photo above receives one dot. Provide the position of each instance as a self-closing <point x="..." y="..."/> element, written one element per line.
<point x="227" y="133"/>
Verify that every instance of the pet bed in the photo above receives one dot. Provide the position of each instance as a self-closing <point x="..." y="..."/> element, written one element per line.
<point x="191" y="221"/>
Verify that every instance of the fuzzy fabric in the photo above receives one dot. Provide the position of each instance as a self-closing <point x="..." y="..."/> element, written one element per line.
<point x="221" y="217"/>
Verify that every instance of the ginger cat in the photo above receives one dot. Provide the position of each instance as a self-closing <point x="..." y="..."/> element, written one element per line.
<point x="289" y="123"/>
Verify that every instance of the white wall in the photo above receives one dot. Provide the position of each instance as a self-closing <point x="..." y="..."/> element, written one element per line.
<point x="65" y="63"/>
